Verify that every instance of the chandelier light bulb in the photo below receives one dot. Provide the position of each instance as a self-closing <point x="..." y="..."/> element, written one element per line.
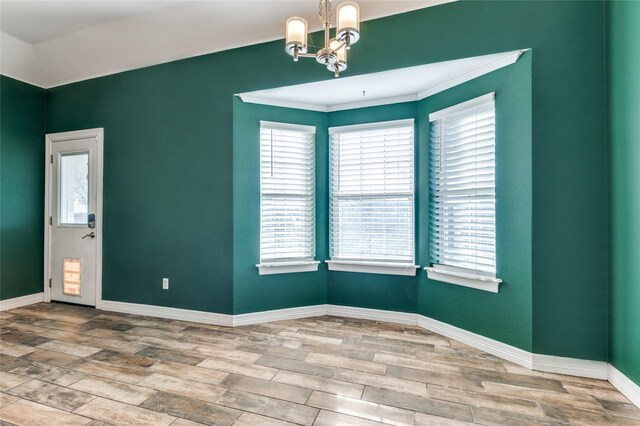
<point x="296" y="36"/>
<point x="340" y="51"/>
<point x="348" y="26"/>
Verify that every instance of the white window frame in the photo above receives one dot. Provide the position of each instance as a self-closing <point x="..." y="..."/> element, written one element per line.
<point x="456" y="275"/>
<point x="292" y="265"/>
<point x="373" y="267"/>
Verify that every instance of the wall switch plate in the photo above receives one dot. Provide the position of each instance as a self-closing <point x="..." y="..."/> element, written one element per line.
<point x="165" y="283"/>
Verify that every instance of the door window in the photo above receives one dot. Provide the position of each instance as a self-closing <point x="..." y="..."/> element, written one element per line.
<point x="74" y="188"/>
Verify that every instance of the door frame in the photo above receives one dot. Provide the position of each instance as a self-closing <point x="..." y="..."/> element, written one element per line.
<point x="50" y="139"/>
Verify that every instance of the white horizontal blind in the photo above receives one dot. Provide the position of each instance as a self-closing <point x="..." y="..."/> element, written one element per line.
<point x="287" y="193"/>
<point x="372" y="185"/>
<point x="462" y="186"/>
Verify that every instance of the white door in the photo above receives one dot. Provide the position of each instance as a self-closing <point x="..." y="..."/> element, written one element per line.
<point x="74" y="183"/>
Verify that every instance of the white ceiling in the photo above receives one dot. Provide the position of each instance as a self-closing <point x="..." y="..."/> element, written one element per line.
<point x="38" y="21"/>
<point x="49" y="43"/>
<point x="400" y="85"/>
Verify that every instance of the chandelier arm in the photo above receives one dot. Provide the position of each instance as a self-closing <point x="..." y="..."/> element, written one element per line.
<point x="343" y="44"/>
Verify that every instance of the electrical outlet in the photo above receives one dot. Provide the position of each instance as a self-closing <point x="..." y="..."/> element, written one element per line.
<point x="165" y="283"/>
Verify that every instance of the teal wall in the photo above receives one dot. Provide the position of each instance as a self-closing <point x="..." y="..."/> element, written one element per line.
<point x="508" y="313"/>
<point x="167" y="180"/>
<point x="22" y="120"/>
<point x="510" y="310"/>
<point x="506" y="316"/>
<point x="396" y="293"/>
<point x="253" y="292"/>
<point x="569" y="183"/>
<point x="169" y="160"/>
<point x="623" y="72"/>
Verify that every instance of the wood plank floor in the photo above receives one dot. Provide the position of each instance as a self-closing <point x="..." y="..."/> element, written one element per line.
<point x="68" y="365"/>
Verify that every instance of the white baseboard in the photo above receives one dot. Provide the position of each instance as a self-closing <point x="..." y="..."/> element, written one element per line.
<point x="18" y="302"/>
<point x="372" y="314"/>
<point x="547" y="363"/>
<point x="279" y="315"/>
<point x="570" y="366"/>
<point x="165" y="312"/>
<point x="494" y="347"/>
<point x="624" y="384"/>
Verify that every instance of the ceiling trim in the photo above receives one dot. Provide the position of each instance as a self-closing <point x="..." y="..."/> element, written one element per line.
<point x="373" y="102"/>
<point x="486" y="69"/>
<point x="511" y="58"/>
<point x="248" y="98"/>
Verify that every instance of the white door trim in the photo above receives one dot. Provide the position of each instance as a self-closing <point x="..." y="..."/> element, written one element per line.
<point x="98" y="134"/>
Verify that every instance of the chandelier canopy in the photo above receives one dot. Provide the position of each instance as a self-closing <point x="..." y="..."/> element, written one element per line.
<point x="333" y="54"/>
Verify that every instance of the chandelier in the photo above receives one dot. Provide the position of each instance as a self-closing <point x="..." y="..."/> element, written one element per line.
<point x="333" y="54"/>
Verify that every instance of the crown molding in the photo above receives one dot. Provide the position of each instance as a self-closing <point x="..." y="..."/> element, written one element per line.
<point x="507" y="59"/>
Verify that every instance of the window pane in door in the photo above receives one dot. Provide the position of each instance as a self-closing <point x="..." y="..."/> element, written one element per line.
<point x="72" y="276"/>
<point x="74" y="188"/>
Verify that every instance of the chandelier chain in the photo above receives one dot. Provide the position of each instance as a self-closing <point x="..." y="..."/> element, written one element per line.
<point x="322" y="9"/>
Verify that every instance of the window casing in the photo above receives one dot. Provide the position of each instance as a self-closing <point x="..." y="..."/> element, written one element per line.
<point x="287" y="198"/>
<point x="371" y="216"/>
<point x="463" y="198"/>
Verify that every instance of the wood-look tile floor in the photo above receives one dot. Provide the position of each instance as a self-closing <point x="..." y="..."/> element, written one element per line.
<point x="67" y="365"/>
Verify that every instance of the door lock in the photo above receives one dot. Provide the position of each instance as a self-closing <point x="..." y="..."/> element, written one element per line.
<point x="90" y="235"/>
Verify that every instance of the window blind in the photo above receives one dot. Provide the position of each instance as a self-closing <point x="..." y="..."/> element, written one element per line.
<point x="462" y="187"/>
<point x="287" y="193"/>
<point x="371" y="193"/>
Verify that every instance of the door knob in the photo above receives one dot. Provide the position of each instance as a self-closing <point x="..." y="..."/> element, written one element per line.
<point x="91" y="235"/>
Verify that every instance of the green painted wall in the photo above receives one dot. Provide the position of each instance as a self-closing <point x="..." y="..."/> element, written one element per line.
<point x="169" y="156"/>
<point x="394" y="293"/>
<point x="252" y="292"/>
<point x="506" y="316"/>
<point x="167" y="181"/>
<point x="623" y="72"/>
<point x="22" y="109"/>
<point x="510" y="311"/>
<point x="569" y="184"/>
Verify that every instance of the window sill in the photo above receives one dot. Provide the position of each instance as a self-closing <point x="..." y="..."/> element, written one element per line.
<point x="287" y="267"/>
<point x="372" y="268"/>
<point x="465" y="279"/>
